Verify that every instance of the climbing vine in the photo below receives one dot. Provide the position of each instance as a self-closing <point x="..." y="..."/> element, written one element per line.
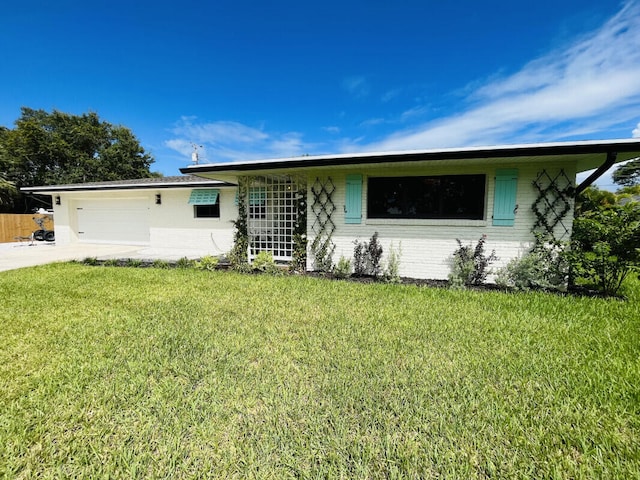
<point x="239" y="253"/>
<point x="299" y="257"/>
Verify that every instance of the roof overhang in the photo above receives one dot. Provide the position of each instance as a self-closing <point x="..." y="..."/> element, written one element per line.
<point x="586" y="154"/>
<point x="143" y="184"/>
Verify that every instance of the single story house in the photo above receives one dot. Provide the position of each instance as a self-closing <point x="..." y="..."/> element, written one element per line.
<point x="419" y="202"/>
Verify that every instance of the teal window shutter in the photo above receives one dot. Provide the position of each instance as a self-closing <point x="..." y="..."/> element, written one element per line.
<point x="353" y="199"/>
<point x="207" y="196"/>
<point x="504" y="200"/>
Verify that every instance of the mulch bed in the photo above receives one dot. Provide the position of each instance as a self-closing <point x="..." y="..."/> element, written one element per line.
<point x="575" y="290"/>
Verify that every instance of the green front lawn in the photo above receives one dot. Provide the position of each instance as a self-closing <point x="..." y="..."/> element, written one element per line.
<point x="116" y="372"/>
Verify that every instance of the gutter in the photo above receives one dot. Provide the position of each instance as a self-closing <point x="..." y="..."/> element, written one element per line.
<point x="608" y="163"/>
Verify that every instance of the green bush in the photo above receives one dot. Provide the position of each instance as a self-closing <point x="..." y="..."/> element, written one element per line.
<point x="470" y="266"/>
<point x="184" y="262"/>
<point x="367" y="257"/>
<point x="133" y="262"/>
<point x="93" y="261"/>
<point x="391" y="272"/>
<point x="160" y="264"/>
<point x="207" y="262"/>
<point x="322" y="250"/>
<point x="605" y="246"/>
<point x="264" y="263"/>
<point x="299" y="255"/>
<point x="343" y="268"/>
<point x="543" y="267"/>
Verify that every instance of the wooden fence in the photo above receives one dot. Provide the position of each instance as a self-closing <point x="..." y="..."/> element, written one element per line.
<point x="16" y="225"/>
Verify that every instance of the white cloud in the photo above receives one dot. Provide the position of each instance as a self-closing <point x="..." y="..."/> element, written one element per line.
<point x="371" y="122"/>
<point x="636" y="131"/>
<point x="227" y="141"/>
<point x="358" y="86"/>
<point x="215" y="132"/>
<point x="390" y="95"/>
<point x="595" y="78"/>
<point x="413" y="113"/>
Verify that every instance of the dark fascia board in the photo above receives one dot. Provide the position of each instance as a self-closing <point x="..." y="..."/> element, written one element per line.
<point x="575" y="149"/>
<point x="140" y="186"/>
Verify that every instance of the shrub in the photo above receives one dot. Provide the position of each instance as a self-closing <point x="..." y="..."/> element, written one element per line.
<point x="359" y="261"/>
<point x="264" y="263"/>
<point x="470" y="265"/>
<point x="160" y="264"/>
<point x="242" y="267"/>
<point x="544" y="266"/>
<point x="184" y="262"/>
<point x="299" y="255"/>
<point x="367" y="257"/>
<point x="343" y="268"/>
<point x="374" y="256"/>
<point x="93" y="261"/>
<point x="207" y="262"/>
<point x="322" y="250"/>
<point x="133" y="262"/>
<point x="605" y="246"/>
<point x="392" y="269"/>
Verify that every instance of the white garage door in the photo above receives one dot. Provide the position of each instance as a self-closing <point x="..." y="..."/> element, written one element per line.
<point x="114" y="221"/>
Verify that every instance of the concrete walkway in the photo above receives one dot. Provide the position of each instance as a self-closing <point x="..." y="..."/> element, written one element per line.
<point x="25" y="254"/>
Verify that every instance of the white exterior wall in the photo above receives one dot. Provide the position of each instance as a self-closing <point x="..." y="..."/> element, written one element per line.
<point x="62" y="221"/>
<point x="427" y="245"/>
<point x="171" y="224"/>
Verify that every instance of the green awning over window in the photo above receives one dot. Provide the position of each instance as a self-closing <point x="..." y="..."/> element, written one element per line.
<point x="207" y="196"/>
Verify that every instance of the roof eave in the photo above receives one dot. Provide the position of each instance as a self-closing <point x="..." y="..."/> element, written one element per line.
<point x="45" y="190"/>
<point x="585" y="153"/>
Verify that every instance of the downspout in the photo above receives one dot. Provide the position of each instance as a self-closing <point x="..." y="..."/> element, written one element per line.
<point x="608" y="163"/>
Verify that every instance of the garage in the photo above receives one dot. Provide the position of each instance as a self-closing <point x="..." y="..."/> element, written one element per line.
<point x="123" y="221"/>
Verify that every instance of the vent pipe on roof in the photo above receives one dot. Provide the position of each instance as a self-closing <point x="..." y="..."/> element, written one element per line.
<point x="608" y="163"/>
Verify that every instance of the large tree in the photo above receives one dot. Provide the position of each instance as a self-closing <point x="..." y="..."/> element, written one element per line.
<point x="7" y="191"/>
<point x="59" y="148"/>
<point x="628" y="174"/>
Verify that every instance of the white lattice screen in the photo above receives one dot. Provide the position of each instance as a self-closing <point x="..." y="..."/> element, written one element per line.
<point x="271" y="209"/>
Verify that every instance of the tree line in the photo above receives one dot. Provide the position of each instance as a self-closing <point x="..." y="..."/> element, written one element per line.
<point x="57" y="148"/>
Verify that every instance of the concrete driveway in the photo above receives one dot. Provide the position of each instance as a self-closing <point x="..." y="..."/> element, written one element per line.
<point x="20" y="255"/>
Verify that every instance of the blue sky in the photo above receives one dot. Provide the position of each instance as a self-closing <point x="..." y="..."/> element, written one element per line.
<point x="247" y="79"/>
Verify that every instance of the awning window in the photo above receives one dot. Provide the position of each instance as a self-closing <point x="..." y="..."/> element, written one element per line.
<point x="207" y="196"/>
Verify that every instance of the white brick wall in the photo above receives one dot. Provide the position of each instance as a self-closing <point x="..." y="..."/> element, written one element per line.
<point x="427" y="245"/>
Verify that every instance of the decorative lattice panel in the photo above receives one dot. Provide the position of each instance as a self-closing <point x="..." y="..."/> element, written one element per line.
<point x="323" y="225"/>
<point x="272" y="216"/>
<point x="554" y="201"/>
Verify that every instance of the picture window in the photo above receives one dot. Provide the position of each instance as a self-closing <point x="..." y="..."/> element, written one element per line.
<point x="433" y="197"/>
